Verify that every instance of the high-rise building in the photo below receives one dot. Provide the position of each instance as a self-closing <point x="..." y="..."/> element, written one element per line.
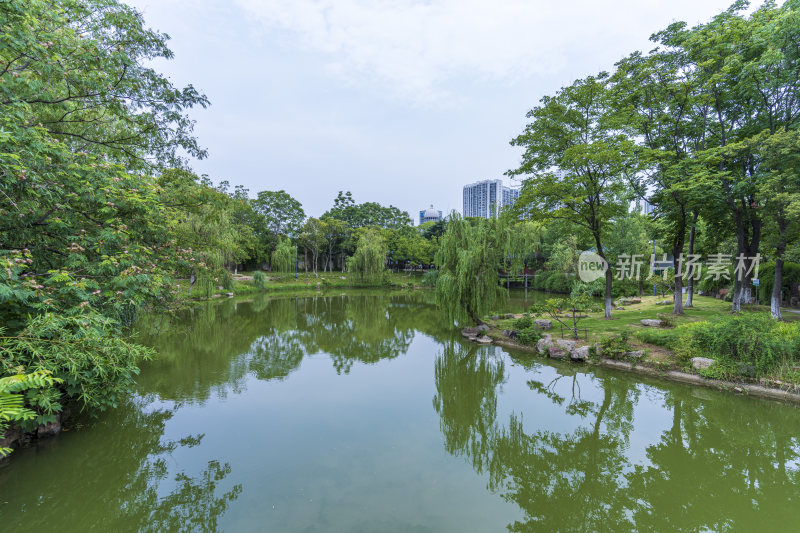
<point x="429" y="215"/>
<point x="486" y="198"/>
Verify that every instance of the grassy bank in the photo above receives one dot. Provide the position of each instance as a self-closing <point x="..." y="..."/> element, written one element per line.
<point x="746" y="348"/>
<point x="244" y="284"/>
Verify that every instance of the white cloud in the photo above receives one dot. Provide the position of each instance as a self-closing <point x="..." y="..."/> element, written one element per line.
<point x="414" y="48"/>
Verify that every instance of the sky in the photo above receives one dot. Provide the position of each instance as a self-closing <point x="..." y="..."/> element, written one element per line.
<point x="399" y="102"/>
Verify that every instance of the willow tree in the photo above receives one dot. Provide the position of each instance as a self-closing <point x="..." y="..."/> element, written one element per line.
<point x="369" y="259"/>
<point x="575" y="163"/>
<point x="469" y="256"/>
<point x="283" y="257"/>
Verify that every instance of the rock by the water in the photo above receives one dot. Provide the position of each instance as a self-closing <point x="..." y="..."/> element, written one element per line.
<point x="510" y="333"/>
<point x="469" y="332"/>
<point x="544" y="343"/>
<point x="701" y="363"/>
<point x="556" y="352"/>
<point x="565" y="344"/>
<point x="483" y="327"/>
<point x="579" y="354"/>
<point x="483" y="339"/>
<point x="635" y="355"/>
<point x="48" y="430"/>
<point x="543" y="324"/>
<point x="651" y="323"/>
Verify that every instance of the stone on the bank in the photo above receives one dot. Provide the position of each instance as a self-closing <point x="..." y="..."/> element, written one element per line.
<point x="469" y="333"/>
<point x="542" y="323"/>
<point x="544" y="343"/>
<point x="48" y="430"/>
<point x="701" y="363"/>
<point x="651" y="322"/>
<point x="482" y="327"/>
<point x="495" y="317"/>
<point x="510" y="333"/>
<point x="483" y="339"/>
<point x="635" y="355"/>
<point x="556" y="352"/>
<point x="579" y="354"/>
<point x="565" y="344"/>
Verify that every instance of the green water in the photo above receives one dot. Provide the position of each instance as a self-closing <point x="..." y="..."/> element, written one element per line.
<point x="365" y="412"/>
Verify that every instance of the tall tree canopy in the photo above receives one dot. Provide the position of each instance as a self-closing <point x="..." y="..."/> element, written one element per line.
<point x="576" y="163"/>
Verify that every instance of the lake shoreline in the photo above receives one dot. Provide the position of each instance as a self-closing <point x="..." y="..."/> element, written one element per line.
<point x="670" y="374"/>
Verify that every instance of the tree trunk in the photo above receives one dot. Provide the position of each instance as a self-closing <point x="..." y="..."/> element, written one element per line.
<point x="737" y="295"/>
<point x="677" y="304"/>
<point x="775" y="301"/>
<point x="690" y="282"/>
<point x="609" y="298"/>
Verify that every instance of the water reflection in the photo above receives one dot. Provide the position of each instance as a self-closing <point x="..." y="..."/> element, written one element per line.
<point x="720" y="465"/>
<point x="140" y="488"/>
<point x="269" y="337"/>
<point x="314" y="414"/>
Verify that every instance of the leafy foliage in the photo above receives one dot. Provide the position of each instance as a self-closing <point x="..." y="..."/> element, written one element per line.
<point x="468" y="260"/>
<point x="369" y="259"/>
<point x="259" y="279"/>
<point x="566" y="311"/>
<point x="12" y="401"/>
<point x="750" y="339"/>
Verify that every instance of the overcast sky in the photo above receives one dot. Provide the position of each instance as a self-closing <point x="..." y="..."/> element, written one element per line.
<point x="400" y="102"/>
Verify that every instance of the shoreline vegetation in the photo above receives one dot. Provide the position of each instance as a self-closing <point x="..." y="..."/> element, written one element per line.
<point x="626" y="344"/>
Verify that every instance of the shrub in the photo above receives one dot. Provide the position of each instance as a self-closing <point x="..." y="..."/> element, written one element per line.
<point x="753" y="339"/>
<point x="616" y="346"/>
<point x="522" y="323"/>
<point x="429" y="278"/>
<point x="529" y="335"/>
<point x="94" y="364"/>
<point x="226" y="280"/>
<point x="667" y="320"/>
<point x="666" y="338"/>
<point x="260" y="279"/>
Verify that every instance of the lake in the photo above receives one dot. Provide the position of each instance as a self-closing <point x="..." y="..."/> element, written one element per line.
<point x="364" y="411"/>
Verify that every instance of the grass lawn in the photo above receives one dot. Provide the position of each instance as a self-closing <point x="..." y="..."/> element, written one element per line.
<point x="629" y="319"/>
<point x="278" y="282"/>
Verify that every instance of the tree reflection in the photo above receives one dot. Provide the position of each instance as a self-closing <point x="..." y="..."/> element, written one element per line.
<point x="721" y="464"/>
<point x="137" y="490"/>
<point x="214" y="346"/>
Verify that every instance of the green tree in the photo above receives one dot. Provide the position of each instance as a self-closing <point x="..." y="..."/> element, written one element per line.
<point x="283" y="214"/>
<point x="469" y="257"/>
<point x="576" y="162"/>
<point x="369" y="260"/>
<point x="283" y="258"/>
<point x="314" y="238"/>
